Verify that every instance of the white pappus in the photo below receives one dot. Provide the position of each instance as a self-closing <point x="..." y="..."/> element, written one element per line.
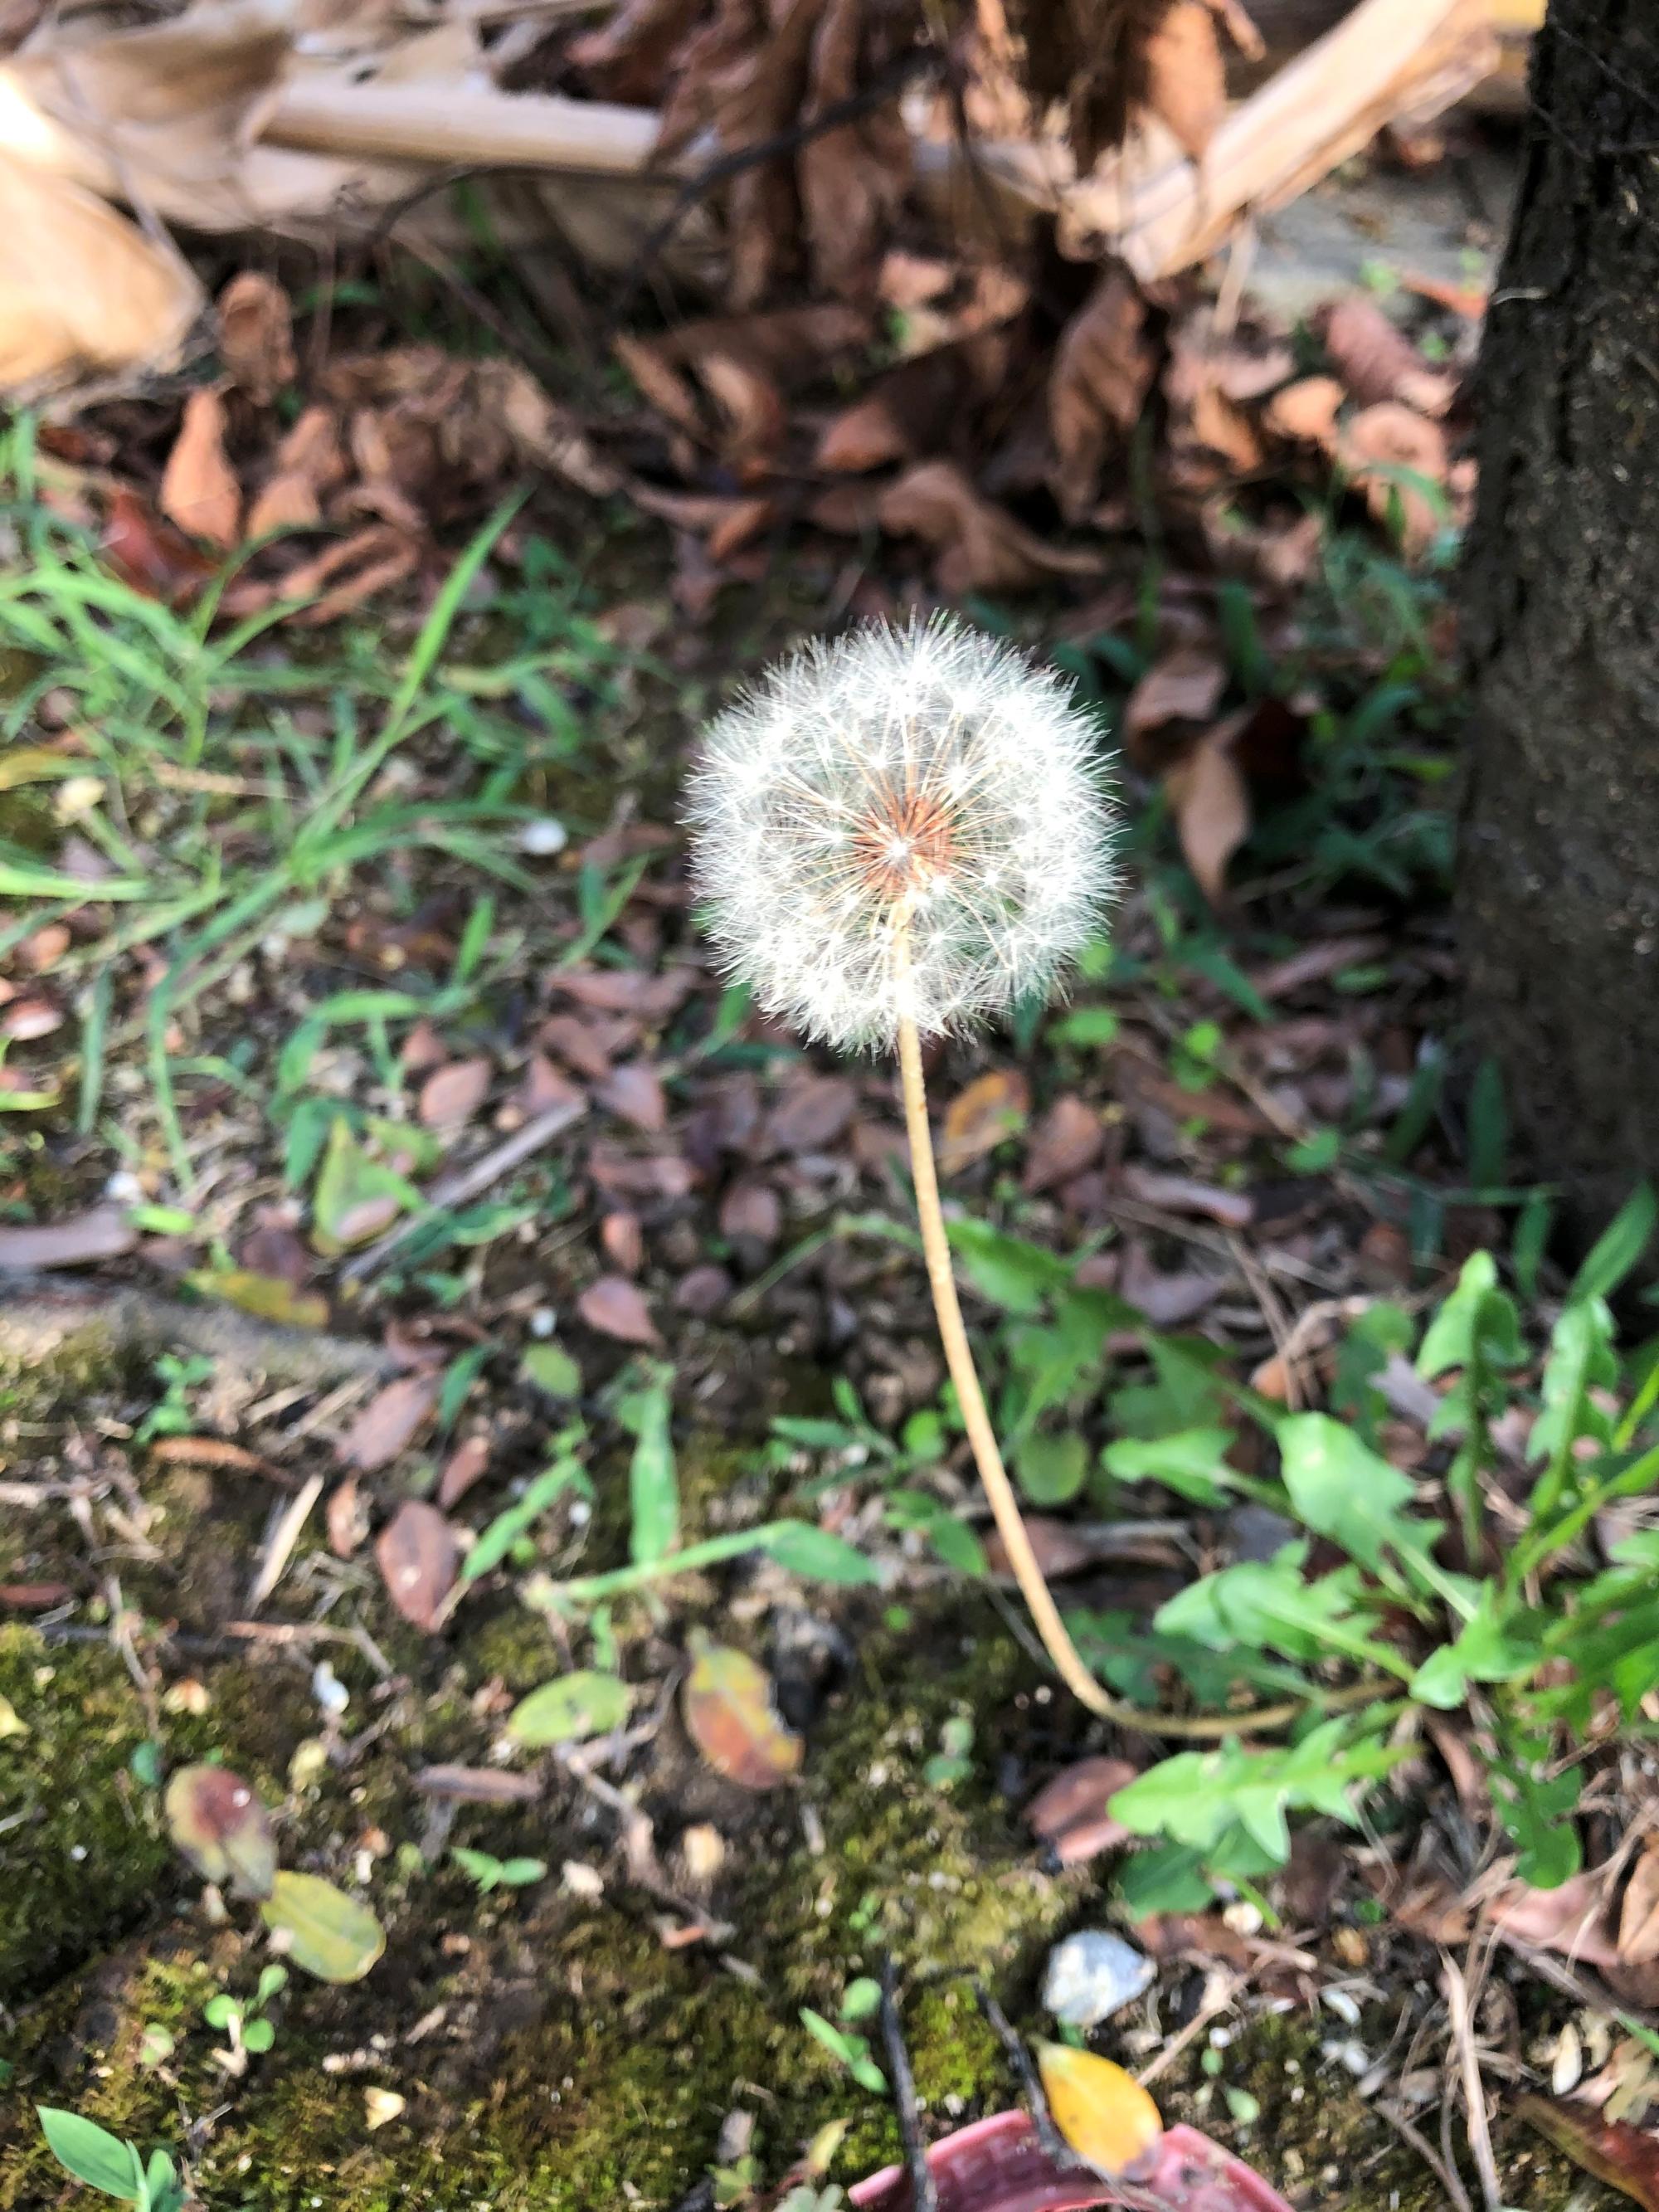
<point x="906" y="821"/>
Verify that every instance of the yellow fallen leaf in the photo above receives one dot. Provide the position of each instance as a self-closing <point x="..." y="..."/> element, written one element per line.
<point x="1104" y="2113"/>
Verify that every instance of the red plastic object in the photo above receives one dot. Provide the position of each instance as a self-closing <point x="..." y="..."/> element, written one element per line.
<point x="997" y="2166"/>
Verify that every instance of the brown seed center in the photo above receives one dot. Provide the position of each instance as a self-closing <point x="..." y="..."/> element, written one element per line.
<point x="903" y="842"/>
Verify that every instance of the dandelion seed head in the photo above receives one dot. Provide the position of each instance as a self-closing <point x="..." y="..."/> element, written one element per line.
<point x="927" y="785"/>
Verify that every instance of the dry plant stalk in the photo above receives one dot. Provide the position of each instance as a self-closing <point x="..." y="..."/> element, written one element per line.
<point x="897" y="837"/>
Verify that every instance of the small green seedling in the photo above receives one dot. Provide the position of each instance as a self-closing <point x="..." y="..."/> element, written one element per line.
<point x="248" y="2033"/>
<point x="491" y="1873"/>
<point x="171" y="1414"/>
<point x="950" y="1763"/>
<point x="105" y="2162"/>
<point x="853" y="2051"/>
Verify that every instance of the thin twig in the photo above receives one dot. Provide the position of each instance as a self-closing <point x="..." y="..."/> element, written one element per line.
<point x="1445" y="2173"/>
<point x="283" y="1537"/>
<point x="1461" y="2016"/>
<point x="924" y="2193"/>
<point x="469" y="1183"/>
<point x="1050" y="2139"/>
<point x="1169" y="2052"/>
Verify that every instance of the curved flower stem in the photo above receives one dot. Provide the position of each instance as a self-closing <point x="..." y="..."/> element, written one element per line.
<point x="1005" y="1508"/>
<point x="959" y="1358"/>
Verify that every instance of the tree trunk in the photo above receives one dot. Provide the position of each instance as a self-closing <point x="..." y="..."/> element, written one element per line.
<point x="1559" y="878"/>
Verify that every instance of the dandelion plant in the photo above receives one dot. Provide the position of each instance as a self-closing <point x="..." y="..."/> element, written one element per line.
<point x="897" y="837"/>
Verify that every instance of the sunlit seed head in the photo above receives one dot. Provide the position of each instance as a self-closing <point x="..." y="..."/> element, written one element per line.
<point x="928" y="782"/>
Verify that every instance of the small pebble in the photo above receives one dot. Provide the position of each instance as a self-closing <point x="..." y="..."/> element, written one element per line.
<point x="1092" y="1975"/>
<point x="544" y="837"/>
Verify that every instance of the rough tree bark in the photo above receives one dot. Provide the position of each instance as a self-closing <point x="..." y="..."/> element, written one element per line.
<point x="1559" y="864"/>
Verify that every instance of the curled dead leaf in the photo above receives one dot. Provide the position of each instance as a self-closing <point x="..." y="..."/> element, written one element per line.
<point x="1384" y="449"/>
<point x="103" y="1232"/>
<point x="1306" y="411"/>
<point x="1103" y="370"/>
<point x="1070" y="1813"/>
<point x="1377" y="361"/>
<point x="1626" y="2157"/>
<point x="633" y="1092"/>
<point x="978" y="546"/>
<point x="1210" y="802"/>
<point x="200" y="490"/>
<point x="1184" y="685"/>
<point x="256" y="335"/>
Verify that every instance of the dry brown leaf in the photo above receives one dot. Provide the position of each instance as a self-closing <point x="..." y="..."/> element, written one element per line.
<point x="1625" y="2157"/>
<point x="623" y="1241"/>
<point x="1638" y="1914"/>
<point x="308" y="463"/>
<point x="543" y="1085"/>
<point x="390" y="1422"/>
<point x="256" y="336"/>
<point x="1307" y="410"/>
<point x="1186" y="74"/>
<point x="628" y="57"/>
<point x="979" y="547"/>
<point x="756" y="421"/>
<point x="660" y="382"/>
<point x="1377" y="361"/>
<point x="633" y="1093"/>
<point x="868" y="435"/>
<point x="1184" y="686"/>
<point x="812" y="1112"/>
<point x="615" y="1307"/>
<point x="1069" y="1138"/>
<point x="1382" y="448"/>
<point x="851" y="180"/>
<point x="651" y="998"/>
<point x="1069" y="1813"/>
<point x="751" y="1212"/>
<point x="346" y="1518"/>
<point x="1571" y="1919"/>
<point x="453" y="1094"/>
<point x="466" y="1465"/>
<point x="1175" y="1193"/>
<point x="418" y="1558"/>
<point x="1210" y="802"/>
<point x="1165" y="1299"/>
<point x="1103" y="370"/>
<point x="980" y="1117"/>
<point x="913" y="408"/>
<point x="83" y="290"/>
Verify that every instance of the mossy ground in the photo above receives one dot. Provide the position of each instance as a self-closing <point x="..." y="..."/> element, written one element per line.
<point x="554" y="2053"/>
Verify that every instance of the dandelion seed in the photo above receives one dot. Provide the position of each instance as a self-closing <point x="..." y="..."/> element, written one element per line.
<point x="905" y="823"/>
